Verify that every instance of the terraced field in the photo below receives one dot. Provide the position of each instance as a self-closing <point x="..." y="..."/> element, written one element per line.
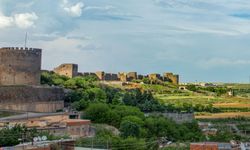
<point x="223" y="115"/>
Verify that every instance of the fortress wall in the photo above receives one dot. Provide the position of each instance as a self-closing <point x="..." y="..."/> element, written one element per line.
<point x="68" y="70"/>
<point x="100" y="75"/>
<point x="122" y="76"/>
<point x="131" y="76"/>
<point x="19" y="66"/>
<point x="31" y="98"/>
<point x="34" y="106"/>
<point x="171" y="78"/>
<point x="154" y="76"/>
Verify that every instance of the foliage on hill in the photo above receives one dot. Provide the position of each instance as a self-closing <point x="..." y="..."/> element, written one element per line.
<point x="132" y="123"/>
<point x="123" y="109"/>
<point x="86" y="90"/>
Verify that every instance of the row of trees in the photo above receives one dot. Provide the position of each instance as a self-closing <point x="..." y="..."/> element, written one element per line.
<point x="132" y="123"/>
<point x="217" y="90"/>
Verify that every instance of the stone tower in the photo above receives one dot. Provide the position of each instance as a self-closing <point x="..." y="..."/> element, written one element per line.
<point x="174" y="78"/>
<point x="68" y="70"/>
<point x="20" y="66"/>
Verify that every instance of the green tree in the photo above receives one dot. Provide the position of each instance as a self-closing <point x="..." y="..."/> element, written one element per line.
<point x="97" y="112"/>
<point x="129" y="129"/>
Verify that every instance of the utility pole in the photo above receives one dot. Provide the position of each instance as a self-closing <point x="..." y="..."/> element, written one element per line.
<point x="107" y="144"/>
<point x="25" y="40"/>
<point x="92" y="143"/>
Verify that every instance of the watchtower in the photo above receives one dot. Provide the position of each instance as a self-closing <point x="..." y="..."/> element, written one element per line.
<point x="20" y="66"/>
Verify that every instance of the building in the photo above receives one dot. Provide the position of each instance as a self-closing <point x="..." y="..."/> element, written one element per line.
<point x="20" y="66"/>
<point x="20" y="89"/>
<point x="56" y="124"/>
<point x="68" y="70"/>
<point x="63" y="144"/>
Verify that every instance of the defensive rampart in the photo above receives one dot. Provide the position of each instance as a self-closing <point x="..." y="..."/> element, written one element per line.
<point x="20" y="66"/>
<point x="31" y="98"/>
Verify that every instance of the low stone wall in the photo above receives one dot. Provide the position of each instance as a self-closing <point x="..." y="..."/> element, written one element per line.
<point x="31" y="98"/>
<point x="177" y="117"/>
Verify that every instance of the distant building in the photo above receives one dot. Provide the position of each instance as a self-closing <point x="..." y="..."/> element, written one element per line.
<point x="57" y="124"/>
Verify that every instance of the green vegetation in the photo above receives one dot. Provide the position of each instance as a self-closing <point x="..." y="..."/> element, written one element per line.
<point x="86" y="90"/>
<point x="124" y="109"/>
<point x="132" y="123"/>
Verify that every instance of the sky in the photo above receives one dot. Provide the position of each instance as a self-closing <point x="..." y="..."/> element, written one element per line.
<point x="201" y="40"/>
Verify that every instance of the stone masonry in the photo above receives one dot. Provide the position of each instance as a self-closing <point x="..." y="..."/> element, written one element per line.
<point x="20" y="66"/>
<point x="68" y="70"/>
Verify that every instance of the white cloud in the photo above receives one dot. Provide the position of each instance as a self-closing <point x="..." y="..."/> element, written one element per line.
<point x="5" y="21"/>
<point x="22" y="20"/>
<point x="73" y="10"/>
<point x="25" y="20"/>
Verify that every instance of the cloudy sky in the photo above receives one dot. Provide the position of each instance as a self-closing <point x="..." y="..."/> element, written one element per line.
<point x="204" y="40"/>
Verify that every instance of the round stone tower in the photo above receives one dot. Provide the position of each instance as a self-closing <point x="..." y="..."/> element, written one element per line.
<point x="20" y="66"/>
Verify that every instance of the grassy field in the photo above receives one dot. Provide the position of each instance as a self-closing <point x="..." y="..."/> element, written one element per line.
<point x="222" y="115"/>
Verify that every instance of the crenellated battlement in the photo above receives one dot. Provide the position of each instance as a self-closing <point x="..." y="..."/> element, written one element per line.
<point x="20" y="66"/>
<point x="22" y="49"/>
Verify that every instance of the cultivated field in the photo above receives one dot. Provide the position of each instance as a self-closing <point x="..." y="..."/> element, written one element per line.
<point x="223" y="115"/>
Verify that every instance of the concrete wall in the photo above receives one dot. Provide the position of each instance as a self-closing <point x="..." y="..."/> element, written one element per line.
<point x="20" y="66"/>
<point x="31" y="98"/>
<point x="69" y="70"/>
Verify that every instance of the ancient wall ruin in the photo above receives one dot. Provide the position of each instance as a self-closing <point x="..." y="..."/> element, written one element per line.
<point x="154" y="76"/>
<point x="100" y="75"/>
<point x="20" y="66"/>
<point x="122" y="76"/>
<point x="31" y="98"/>
<point x="68" y="70"/>
<point x="131" y="76"/>
<point x="170" y="77"/>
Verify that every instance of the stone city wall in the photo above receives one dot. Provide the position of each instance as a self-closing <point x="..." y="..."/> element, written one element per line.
<point x="20" y="66"/>
<point x="31" y="98"/>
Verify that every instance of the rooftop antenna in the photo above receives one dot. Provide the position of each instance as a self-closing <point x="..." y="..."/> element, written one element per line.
<point x="25" y="41"/>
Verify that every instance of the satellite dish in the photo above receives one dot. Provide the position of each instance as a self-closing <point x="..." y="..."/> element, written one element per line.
<point x="35" y="139"/>
<point x="44" y="138"/>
